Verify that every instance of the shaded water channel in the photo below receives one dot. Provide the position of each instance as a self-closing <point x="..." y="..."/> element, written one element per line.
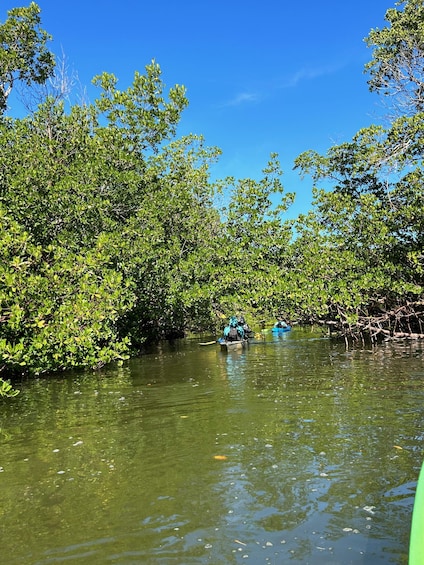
<point x="294" y="451"/>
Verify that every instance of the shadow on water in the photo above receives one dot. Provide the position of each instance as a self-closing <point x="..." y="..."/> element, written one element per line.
<point x="294" y="450"/>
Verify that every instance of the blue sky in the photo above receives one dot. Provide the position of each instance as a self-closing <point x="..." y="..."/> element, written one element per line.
<point x="261" y="77"/>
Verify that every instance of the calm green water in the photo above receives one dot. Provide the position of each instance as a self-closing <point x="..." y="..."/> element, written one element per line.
<point x="322" y="451"/>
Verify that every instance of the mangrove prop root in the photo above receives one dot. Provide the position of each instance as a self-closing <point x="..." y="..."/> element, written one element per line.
<point x="400" y="322"/>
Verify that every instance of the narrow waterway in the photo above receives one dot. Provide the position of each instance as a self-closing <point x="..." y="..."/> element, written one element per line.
<point x="293" y="451"/>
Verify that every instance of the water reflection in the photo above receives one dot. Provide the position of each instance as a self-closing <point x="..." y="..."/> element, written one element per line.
<point x="319" y="453"/>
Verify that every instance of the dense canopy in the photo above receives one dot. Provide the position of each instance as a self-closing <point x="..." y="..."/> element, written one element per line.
<point x="110" y="234"/>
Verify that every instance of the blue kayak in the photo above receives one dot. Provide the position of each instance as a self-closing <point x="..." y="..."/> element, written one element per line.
<point x="281" y="330"/>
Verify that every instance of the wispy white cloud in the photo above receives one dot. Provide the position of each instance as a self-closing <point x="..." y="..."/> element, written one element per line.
<point x="309" y="74"/>
<point x="288" y="81"/>
<point x="242" y="98"/>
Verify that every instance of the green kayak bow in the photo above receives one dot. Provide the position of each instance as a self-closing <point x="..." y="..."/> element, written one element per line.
<point x="416" y="543"/>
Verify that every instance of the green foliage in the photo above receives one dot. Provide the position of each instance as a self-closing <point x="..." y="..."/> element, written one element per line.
<point x="361" y="250"/>
<point x="370" y="227"/>
<point x="347" y="259"/>
<point x="6" y="389"/>
<point x="161" y="246"/>
<point x="57" y="309"/>
<point x="23" y="53"/>
<point x="250" y="252"/>
<point x="110" y="233"/>
<point x="110" y="211"/>
<point x="398" y="57"/>
<point x="140" y="115"/>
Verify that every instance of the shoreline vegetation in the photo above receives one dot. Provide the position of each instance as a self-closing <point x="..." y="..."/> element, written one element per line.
<point x="110" y="236"/>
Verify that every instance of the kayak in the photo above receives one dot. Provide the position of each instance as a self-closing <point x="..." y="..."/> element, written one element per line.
<point x="227" y="345"/>
<point x="276" y="330"/>
<point x="416" y="542"/>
